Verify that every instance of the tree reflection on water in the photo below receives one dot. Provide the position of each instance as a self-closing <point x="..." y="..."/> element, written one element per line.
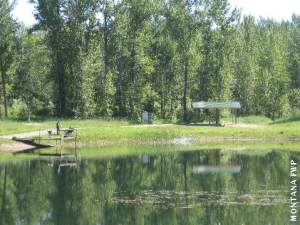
<point x="163" y="188"/>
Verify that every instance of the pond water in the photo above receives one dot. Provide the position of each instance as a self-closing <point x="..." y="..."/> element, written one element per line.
<point x="212" y="186"/>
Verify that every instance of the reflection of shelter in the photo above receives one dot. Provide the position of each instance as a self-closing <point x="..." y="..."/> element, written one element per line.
<point x="233" y="106"/>
<point x="145" y="159"/>
<point x="216" y="169"/>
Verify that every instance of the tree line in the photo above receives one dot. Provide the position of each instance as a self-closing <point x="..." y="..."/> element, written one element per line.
<point x="92" y="58"/>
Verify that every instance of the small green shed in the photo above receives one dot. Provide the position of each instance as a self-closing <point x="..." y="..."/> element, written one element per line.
<point x="233" y="106"/>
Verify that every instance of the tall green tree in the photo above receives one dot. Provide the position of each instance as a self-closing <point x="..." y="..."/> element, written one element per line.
<point x="217" y="23"/>
<point x="50" y="17"/>
<point x="68" y="26"/>
<point x="246" y="58"/>
<point x="273" y="81"/>
<point x="294" y="61"/>
<point x="7" y="42"/>
<point x="32" y="84"/>
<point x="180" y="18"/>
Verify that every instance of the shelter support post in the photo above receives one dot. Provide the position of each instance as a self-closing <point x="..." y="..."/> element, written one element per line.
<point x="217" y="116"/>
<point x="235" y="113"/>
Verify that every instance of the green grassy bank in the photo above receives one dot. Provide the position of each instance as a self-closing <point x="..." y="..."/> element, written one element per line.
<point x="180" y="134"/>
<point x="19" y="126"/>
<point x="118" y="132"/>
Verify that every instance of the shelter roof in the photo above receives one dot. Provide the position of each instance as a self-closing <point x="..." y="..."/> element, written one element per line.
<point x="216" y="105"/>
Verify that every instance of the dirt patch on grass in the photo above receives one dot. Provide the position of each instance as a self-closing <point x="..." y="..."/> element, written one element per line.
<point x="33" y="124"/>
<point x="254" y="126"/>
<point x="25" y="135"/>
<point x="150" y="125"/>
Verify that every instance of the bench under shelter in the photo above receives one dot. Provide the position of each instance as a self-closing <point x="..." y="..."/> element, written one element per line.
<point x="217" y="106"/>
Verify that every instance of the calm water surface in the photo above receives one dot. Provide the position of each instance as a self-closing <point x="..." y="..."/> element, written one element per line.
<point x="181" y="187"/>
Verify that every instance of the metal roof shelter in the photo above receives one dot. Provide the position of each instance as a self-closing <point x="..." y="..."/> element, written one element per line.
<point x="233" y="106"/>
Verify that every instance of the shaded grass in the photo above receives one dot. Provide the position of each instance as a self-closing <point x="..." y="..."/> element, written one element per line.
<point x="261" y="120"/>
<point x="288" y="120"/>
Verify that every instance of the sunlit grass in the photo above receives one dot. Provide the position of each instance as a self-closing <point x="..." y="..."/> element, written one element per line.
<point x="197" y="133"/>
<point x="111" y="132"/>
<point x="15" y="127"/>
<point x="12" y="127"/>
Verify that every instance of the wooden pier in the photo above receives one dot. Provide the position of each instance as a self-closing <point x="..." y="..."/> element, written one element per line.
<point x="36" y="141"/>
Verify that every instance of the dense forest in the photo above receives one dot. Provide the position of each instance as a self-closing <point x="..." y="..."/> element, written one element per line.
<point x="91" y="58"/>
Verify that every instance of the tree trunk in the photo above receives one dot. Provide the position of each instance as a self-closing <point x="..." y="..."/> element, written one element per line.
<point x="106" y="66"/>
<point x="132" y="74"/>
<point x="119" y="87"/>
<point x="3" y="76"/>
<point x="0" y="107"/>
<point x="61" y="82"/>
<point x="28" y="114"/>
<point x="161" y="97"/>
<point x="61" y="70"/>
<point x="132" y="56"/>
<point x="186" y="64"/>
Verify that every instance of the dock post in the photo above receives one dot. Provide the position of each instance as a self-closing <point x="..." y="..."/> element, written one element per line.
<point x="76" y="140"/>
<point x="60" y="147"/>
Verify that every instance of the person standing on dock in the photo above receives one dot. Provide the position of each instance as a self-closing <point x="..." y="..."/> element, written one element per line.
<point x="57" y="127"/>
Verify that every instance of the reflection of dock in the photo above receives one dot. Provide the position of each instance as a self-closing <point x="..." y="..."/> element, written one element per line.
<point x="63" y="160"/>
<point x="216" y="169"/>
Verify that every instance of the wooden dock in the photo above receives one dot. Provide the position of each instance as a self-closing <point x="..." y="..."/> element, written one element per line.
<point x="36" y="144"/>
<point x="36" y="141"/>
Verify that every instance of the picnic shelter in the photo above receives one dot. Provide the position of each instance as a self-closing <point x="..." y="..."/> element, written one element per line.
<point x="217" y="106"/>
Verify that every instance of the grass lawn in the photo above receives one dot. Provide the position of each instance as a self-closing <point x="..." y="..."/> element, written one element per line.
<point x="114" y="132"/>
<point x="180" y="133"/>
<point x="15" y="127"/>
